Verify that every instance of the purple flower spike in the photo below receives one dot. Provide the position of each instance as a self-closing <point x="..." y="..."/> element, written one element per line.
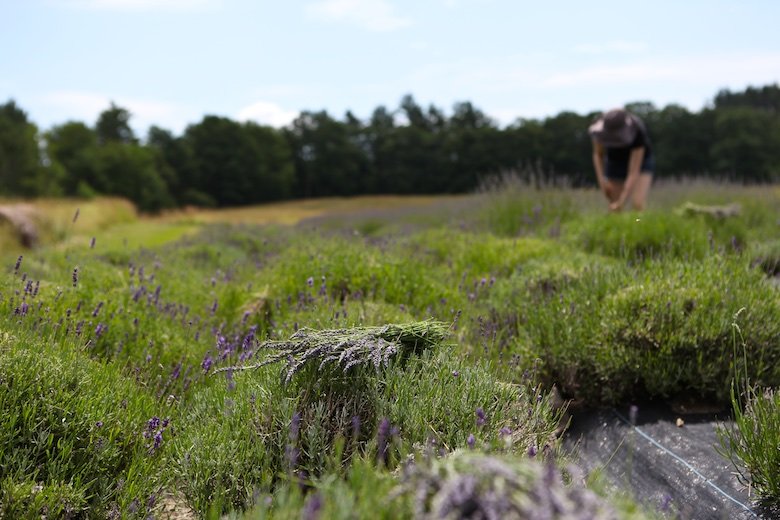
<point x="384" y="432"/>
<point x="480" y="417"/>
<point x="18" y="264"/>
<point x="633" y="411"/>
<point x="207" y="362"/>
<point x="532" y="451"/>
<point x="311" y="509"/>
<point x="295" y="426"/>
<point x="471" y="441"/>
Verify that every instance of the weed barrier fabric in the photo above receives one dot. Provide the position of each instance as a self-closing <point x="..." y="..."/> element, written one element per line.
<point x="673" y="469"/>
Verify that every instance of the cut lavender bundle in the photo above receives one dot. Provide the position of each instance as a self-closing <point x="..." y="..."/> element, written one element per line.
<point x="352" y="347"/>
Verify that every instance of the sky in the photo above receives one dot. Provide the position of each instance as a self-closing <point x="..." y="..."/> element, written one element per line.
<point x="171" y="62"/>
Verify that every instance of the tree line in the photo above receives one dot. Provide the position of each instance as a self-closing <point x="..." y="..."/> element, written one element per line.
<point x="220" y="162"/>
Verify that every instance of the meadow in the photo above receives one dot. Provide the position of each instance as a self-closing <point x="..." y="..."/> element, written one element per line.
<point x="381" y="357"/>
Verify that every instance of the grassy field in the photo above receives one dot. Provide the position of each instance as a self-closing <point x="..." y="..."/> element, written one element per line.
<point x="392" y="357"/>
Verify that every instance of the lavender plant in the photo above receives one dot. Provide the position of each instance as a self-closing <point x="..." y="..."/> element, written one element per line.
<point x="473" y="485"/>
<point x="353" y="347"/>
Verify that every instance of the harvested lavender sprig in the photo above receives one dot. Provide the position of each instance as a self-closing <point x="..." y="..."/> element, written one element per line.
<point x="348" y="348"/>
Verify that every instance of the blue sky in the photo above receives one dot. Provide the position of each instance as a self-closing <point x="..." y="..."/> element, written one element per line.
<point x="170" y="62"/>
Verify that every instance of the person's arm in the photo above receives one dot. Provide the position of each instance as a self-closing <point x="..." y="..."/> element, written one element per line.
<point x="634" y="167"/>
<point x="598" y="165"/>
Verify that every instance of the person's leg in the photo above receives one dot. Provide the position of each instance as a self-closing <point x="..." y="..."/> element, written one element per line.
<point x="640" y="190"/>
<point x="614" y="189"/>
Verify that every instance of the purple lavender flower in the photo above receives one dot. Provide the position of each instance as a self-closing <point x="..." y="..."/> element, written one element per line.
<point x="158" y="439"/>
<point x="100" y="329"/>
<point x="18" y="264"/>
<point x="291" y="454"/>
<point x="310" y="281"/>
<point x="503" y="432"/>
<point x="355" y="426"/>
<point x="76" y="215"/>
<point x="480" y="417"/>
<point x="92" y="243"/>
<point x="152" y="424"/>
<point x="295" y="426"/>
<point x="383" y="436"/>
<point x="471" y="441"/>
<point x="532" y="451"/>
<point x="207" y="362"/>
<point x="311" y="509"/>
<point x="97" y="309"/>
<point x="75" y="276"/>
<point x="455" y="373"/>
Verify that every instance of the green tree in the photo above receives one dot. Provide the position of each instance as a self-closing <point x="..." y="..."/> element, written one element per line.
<point x="745" y="145"/>
<point x="130" y="171"/>
<point x="328" y="161"/>
<point x="173" y="159"/>
<point x="681" y="141"/>
<point x="273" y="175"/>
<point x="73" y="147"/>
<point x="22" y="171"/>
<point x="474" y="148"/>
<point x="235" y="164"/>
<point x="113" y="125"/>
<point x="566" y="149"/>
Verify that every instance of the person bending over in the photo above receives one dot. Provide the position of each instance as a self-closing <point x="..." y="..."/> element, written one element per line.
<point x="623" y="158"/>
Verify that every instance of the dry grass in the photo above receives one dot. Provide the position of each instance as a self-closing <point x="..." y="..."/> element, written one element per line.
<point x="293" y="212"/>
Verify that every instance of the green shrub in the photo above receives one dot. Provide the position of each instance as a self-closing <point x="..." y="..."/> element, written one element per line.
<point x="654" y="330"/>
<point x="237" y="441"/>
<point x="513" y="208"/>
<point x="752" y="443"/>
<point x="638" y="236"/>
<point x="766" y="255"/>
<point x="75" y="434"/>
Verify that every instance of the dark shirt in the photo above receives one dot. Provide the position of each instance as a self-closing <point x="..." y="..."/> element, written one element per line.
<point x="617" y="157"/>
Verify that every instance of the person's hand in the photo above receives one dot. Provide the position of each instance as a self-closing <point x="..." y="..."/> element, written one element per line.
<point x="615" y="206"/>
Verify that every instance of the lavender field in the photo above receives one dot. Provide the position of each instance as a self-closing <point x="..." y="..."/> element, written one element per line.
<point x="379" y="359"/>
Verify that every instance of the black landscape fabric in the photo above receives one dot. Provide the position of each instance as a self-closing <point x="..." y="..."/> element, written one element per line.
<point x="673" y="469"/>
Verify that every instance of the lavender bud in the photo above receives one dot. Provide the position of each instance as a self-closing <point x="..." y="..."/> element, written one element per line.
<point x="480" y="417"/>
<point x="632" y="413"/>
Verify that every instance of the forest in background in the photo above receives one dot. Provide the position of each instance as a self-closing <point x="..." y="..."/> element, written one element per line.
<point x="219" y="162"/>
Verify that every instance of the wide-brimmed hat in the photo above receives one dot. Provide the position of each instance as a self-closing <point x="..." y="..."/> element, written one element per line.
<point x="616" y="128"/>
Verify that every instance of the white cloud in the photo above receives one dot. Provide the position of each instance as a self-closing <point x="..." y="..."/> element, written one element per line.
<point x="372" y="15"/>
<point x="140" y="5"/>
<point x="612" y="47"/>
<point x="83" y="106"/>
<point x="722" y="70"/>
<point x="266" y="113"/>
